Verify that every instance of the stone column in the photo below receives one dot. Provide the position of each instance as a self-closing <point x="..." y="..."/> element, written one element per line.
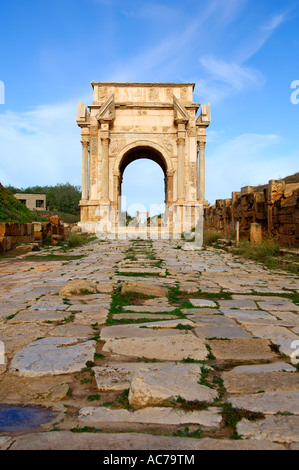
<point x="85" y="144"/>
<point x="201" y="170"/>
<point x="169" y="187"/>
<point x="105" y="168"/>
<point x="181" y="169"/>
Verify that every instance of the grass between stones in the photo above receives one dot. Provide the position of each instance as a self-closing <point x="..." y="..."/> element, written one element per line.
<point x="210" y="371"/>
<point x="268" y="253"/>
<point x="52" y="257"/>
<point x="119" y="300"/>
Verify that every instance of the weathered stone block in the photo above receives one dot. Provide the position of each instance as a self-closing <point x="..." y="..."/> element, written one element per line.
<point x="38" y="235"/>
<point x="143" y="288"/>
<point x="3" y="229"/>
<point x="255" y="233"/>
<point x="54" y="219"/>
<point x="5" y="244"/>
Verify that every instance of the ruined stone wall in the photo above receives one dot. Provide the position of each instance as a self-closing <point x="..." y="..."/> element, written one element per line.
<point x="14" y="233"/>
<point x="275" y="206"/>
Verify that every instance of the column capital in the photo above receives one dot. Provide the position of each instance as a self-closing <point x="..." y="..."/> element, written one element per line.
<point x="181" y="140"/>
<point x="85" y="142"/>
<point x="105" y="140"/>
<point x="201" y="144"/>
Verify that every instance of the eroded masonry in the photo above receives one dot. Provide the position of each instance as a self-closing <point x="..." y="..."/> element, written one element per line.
<point x="129" y="121"/>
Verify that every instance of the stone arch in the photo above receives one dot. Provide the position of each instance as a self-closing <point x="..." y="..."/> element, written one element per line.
<point x="144" y="149"/>
<point x="143" y="146"/>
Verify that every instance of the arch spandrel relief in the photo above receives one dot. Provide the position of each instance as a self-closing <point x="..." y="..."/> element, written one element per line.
<point x="128" y="121"/>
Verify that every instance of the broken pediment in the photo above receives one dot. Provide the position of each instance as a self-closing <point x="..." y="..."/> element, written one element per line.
<point x="181" y="115"/>
<point x="83" y="116"/>
<point x="205" y="116"/>
<point x="107" y="111"/>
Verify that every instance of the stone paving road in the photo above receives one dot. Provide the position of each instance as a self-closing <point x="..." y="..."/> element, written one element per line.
<point x="176" y="350"/>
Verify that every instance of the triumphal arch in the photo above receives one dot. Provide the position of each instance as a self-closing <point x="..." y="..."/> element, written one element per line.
<point x="129" y="121"/>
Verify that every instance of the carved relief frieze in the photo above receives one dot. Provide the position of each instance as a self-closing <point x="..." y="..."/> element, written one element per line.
<point x="102" y="94"/>
<point x="153" y="94"/>
<point x="193" y="171"/>
<point x="184" y="94"/>
<point x="169" y="94"/>
<point x="114" y="147"/>
<point x="191" y="131"/>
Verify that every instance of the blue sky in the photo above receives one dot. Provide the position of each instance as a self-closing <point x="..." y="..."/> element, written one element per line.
<point x="242" y="55"/>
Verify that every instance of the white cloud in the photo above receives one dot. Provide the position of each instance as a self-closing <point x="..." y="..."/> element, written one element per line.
<point x="258" y="37"/>
<point x="40" y="146"/>
<point x="226" y="78"/>
<point x="249" y="159"/>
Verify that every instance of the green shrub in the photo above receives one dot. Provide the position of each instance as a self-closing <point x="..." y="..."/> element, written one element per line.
<point x="263" y="252"/>
<point x="210" y="237"/>
<point x="75" y="239"/>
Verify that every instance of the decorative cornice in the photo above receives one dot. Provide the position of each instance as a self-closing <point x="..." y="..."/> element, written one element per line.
<point x="107" y="111"/>
<point x="140" y="84"/>
<point x="204" y="119"/>
<point x="83" y="116"/>
<point x="181" y="115"/>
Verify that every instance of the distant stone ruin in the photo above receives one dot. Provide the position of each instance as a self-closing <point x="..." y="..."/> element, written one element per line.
<point x="275" y="206"/>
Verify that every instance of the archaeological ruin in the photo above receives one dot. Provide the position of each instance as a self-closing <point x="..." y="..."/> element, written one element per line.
<point x="129" y="121"/>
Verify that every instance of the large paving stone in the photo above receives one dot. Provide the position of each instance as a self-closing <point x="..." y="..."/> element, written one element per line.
<point x="239" y="304"/>
<point x="203" y="303"/>
<point x="272" y="428"/>
<point x="264" y="368"/>
<point x="269" y="402"/>
<point x="77" y="287"/>
<point x="254" y="382"/>
<point x="16" y="336"/>
<point x="16" y="389"/>
<point x="39" y="316"/>
<point x="10" y="308"/>
<point x="157" y="384"/>
<point x="294" y="446"/>
<point x="286" y="318"/>
<point x="65" y="440"/>
<point x="214" y="320"/>
<point x="172" y="323"/>
<point x="72" y="330"/>
<point x="92" y="316"/>
<point x="257" y="317"/>
<point x="198" y="312"/>
<point x="146" y="316"/>
<point x="242" y="350"/>
<point x="143" y="288"/>
<point x="158" y="415"/>
<point x="53" y="356"/>
<point x="148" y="271"/>
<point x="118" y="377"/>
<point x="176" y="348"/>
<point x="148" y="309"/>
<point x="281" y="304"/>
<point x="5" y="442"/>
<point x="273" y="333"/>
<point x="134" y="331"/>
<point x="221" y="332"/>
<point x="50" y="304"/>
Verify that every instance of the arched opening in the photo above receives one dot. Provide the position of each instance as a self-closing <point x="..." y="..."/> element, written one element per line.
<point x="143" y="186"/>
